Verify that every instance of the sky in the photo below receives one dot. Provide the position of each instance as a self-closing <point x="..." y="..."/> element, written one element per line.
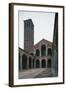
<point x="43" y="25"/>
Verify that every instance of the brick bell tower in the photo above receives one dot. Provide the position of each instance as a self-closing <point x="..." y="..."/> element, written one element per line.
<point x="28" y="34"/>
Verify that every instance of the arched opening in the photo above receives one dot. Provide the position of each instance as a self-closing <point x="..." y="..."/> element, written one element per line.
<point x="49" y="51"/>
<point x="33" y="63"/>
<point x="37" y="52"/>
<point x="49" y="63"/>
<point x="30" y="62"/>
<point x="24" y="61"/>
<point x="43" y="50"/>
<point x="43" y="63"/>
<point x="37" y="63"/>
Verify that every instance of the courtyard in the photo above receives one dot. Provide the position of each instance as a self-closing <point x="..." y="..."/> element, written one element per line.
<point x="36" y="73"/>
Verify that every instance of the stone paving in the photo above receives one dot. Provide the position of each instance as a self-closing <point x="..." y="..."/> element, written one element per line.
<point x="35" y="73"/>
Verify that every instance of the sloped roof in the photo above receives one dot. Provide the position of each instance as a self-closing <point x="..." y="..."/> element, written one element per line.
<point x="24" y="50"/>
<point x="43" y="40"/>
<point x="37" y="44"/>
<point x="49" y="42"/>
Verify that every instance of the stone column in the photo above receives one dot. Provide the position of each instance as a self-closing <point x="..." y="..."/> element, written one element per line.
<point x="40" y="63"/>
<point x="34" y="63"/>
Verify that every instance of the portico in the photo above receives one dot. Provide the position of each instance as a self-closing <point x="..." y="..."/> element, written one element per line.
<point x="40" y="57"/>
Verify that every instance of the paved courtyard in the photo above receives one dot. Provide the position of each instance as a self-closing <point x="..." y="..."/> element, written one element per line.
<point x="36" y="73"/>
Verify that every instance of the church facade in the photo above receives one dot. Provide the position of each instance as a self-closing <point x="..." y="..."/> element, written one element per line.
<point x="34" y="56"/>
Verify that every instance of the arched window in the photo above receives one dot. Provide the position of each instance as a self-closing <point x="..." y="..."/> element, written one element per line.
<point x="43" y="63"/>
<point x="30" y="62"/>
<point x="43" y="50"/>
<point x="37" y="63"/>
<point x="24" y="61"/>
<point x="49" y="63"/>
<point x="37" y="52"/>
<point x="49" y="51"/>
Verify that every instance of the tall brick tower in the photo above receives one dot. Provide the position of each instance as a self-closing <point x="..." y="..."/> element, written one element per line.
<point x="28" y="34"/>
